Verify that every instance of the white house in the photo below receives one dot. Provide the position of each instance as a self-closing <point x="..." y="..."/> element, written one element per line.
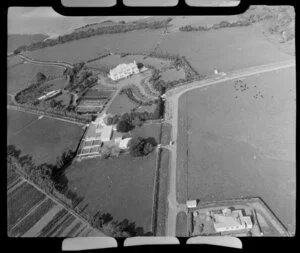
<point x="231" y="221"/>
<point x="123" y="70"/>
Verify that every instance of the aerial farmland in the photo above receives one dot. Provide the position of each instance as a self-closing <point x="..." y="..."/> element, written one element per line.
<point x="128" y="127"/>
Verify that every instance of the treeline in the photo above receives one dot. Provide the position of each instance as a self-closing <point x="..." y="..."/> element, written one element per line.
<point x="46" y="176"/>
<point x="103" y="55"/>
<point x="110" y="227"/>
<point x="76" y="35"/>
<point x="222" y="24"/>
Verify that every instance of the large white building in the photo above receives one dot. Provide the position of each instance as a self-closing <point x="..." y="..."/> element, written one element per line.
<point x="231" y="221"/>
<point x="123" y="70"/>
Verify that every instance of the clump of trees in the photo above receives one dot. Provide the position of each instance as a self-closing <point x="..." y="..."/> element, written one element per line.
<point x="139" y="146"/>
<point x="106" y="223"/>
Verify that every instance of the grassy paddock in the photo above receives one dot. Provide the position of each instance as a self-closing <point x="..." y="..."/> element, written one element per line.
<point x="250" y="152"/>
<point x="121" y="186"/>
<point x="21" y="76"/>
<point x="44" y="139"/>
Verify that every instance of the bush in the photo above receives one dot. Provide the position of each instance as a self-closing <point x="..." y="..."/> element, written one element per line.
<point x="139" y="146"/>
<point x="124" y="126"/>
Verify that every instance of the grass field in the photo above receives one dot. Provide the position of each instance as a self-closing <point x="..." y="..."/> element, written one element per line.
<point x="65" y="98"/>
<point x="147" y="130"/>
<point x="172" y="74"/>
<point x="122" y="187"/>
<point x="16" y="40"/>
<point x="226" y="49"/>
<point x="13" y="61"/>
<point x="44" y="139"/>
<point x="162" y="209"/>
<point x="181" y="225"/>
<point x="135" y="41"/>
<point x="21" y="76"/>
<point x="123" y="104"/>
<point x="240" y="142"/>
<point x="58" y="83"/>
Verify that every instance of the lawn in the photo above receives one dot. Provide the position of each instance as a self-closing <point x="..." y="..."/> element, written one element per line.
<point x="250" y="151"/>
<point x="13" y="61"/>
<point x="65" y="98"/>
<point x="20" y="201"/>
<point x="172" y="75"/>
<point x="121" y="186"/>
<point x="44" y="139"/>
<point x="21" y="76"/>
<point x="181" y="225"/>
<point x="147" y="130"/>
<point x="135" y="41"/>
<point x="58" y="83"/>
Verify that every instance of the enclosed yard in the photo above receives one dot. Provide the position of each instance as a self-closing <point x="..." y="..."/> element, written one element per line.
<point x="240" y="142"/>
<point x="121" y="186"/>
<point x="21" y="76"/>
<point x="148" y="130"/>
<point x="44" y="139"/>
<point x="172" y="74"/>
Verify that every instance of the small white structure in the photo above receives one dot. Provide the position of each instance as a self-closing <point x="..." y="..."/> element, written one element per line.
<point x="216" y="71"/>
<point x="50" y="94"/>
<point x="123" y="144"/>
<point x="191" y="203"/>
<point x="106" y="133"/>
<point x="123" y="70"/>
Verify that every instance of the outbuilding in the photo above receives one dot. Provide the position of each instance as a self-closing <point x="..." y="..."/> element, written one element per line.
<point x="191" y="203"/>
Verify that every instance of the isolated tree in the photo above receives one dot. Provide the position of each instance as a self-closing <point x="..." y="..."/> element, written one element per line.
<point x="137" y="122"/>
<point x="140" y="65"/>
<point x="40" y="77"/>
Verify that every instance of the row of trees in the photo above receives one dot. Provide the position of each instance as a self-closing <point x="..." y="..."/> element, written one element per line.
<point x="222" y="24"/>
<point x="76" y="35"/>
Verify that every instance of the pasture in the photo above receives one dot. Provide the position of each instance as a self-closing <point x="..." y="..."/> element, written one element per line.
<point x="226" y="49"/>
<point x="121" y="186"/>
<point x="147" y="130"/>
<point x="240" y="142"/>
<point x="21" y="76"/>
<point x="172" y="75"/>
<point x="135" y="42"/>
<point x="44" y="139"/>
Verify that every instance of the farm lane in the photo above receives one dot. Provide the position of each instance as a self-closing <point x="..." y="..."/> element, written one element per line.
<point x="60" y="64"/>
<point x="172" y="98"/>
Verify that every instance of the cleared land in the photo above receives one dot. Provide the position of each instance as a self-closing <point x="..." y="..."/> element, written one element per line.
<point x="135" y="41"/>
<point x="44" y="139"/>
<point x="122" y="187"/>
<point x="240" y="142"/>
<point x="21" y="76"/>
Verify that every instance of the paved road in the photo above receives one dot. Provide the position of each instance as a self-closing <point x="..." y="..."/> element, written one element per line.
<point x="12" y="107"/>
<point x="172" y="98"/>
<point x="59" y="64"/>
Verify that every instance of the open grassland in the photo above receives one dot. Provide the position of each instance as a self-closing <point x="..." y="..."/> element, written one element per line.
<point x="114" y="60"/>
<point x="135" y="41"/>
<point x="58" y="83"/>
<point x="181" y="225"/>
<point x="44" y="139"/>
<point x="240" y="142"/>
<point x="122" y="187"/>
<point x="20" y="201"/>
<point x="226" y="49"/>
<point x="13" y="61"/>
<point x="21" y="76"/>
